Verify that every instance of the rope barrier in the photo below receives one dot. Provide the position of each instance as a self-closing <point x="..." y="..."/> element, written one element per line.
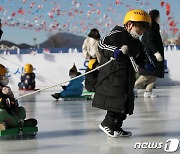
<point x="67" y="80"/>
<point x="135" y="66"/>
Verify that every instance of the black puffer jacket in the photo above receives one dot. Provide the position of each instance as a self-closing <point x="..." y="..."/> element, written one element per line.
<point x="114" y="91"/>
<point x="153" y="43"/>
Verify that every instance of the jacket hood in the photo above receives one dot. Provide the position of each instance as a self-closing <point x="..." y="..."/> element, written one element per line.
<point x="119" y="28"/>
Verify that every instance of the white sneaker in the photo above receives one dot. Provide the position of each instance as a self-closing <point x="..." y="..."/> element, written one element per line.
<point x="149" y="94"/>
<point x="108" y="131"/>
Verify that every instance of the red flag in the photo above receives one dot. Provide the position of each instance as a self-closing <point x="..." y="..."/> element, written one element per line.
<point x="162" y="3"/>
<point x="167" y="9"/>
<point x="20" y="11"/>
<point x="1" y="8"/>
<point x="13" y="14"/>
<point x="90" y="5"/>
<point x="117" y="2"/>
<point x="172" y="24"/>
<point x="169" y="18"/>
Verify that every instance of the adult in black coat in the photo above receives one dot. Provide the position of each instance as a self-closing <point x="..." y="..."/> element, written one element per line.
<point x="154" y="45"/>
<point x="114" y="89"/>
<point x="152" y="41"/>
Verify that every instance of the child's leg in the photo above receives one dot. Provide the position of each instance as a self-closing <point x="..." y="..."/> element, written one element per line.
<point x="112" y="123"/>
<point x="110" y="120"/>
<point x="150" y="83"/>
<point x="115" y="119"/>
<point x="141" y="81"/>
<point x="20" y="112"/>
<point x="108" y="125"/>
<point x="10" y="120"/>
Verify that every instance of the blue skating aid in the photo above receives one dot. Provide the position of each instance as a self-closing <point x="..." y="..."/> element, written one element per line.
<point x="87" y="93"/>
<point x="85" y="96"/>
<point x="76" y="98"/>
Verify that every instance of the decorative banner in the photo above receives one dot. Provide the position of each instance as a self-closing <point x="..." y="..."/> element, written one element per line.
<point x="167" y="9"/>
<point x="72" y="16"/>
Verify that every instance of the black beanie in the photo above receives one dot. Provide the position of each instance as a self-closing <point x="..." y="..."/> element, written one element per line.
<point x="154" y="14"/>
<point x="73" y="70"/>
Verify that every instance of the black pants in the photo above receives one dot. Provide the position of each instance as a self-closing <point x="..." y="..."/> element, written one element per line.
<point x="114" y="120"/>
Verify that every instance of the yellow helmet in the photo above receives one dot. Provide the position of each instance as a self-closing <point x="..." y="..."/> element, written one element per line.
<point x="137" y="16"/>
<point x="28" y="68"/>
<point x="3" y="70"/>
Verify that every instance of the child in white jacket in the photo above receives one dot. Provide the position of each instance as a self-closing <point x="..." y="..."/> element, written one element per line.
<point x="90" y="45"/>
<point x="91" y="53"/>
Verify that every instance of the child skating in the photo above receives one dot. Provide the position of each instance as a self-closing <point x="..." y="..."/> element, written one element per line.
<point x="114" y="89"/>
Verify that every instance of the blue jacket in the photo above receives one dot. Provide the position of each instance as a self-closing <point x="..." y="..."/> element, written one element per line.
<point x="74" y="88"/>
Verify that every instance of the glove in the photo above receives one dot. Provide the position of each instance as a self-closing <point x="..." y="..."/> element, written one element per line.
<point x="118" y="52"/>
<point x="124" y="49"/>
<point x="12" y="103"/>
<point x="149" y="68"/>
<point x="64" y="87"/>
<point x="158" y="56"/>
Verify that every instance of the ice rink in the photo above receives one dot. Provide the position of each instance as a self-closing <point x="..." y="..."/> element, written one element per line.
<point x="71" y="127"/>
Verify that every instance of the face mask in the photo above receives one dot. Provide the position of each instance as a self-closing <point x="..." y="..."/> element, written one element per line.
<point x="134" y="34"/>
<point x="72" y="76"/>
<point x="4" y="80"/>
